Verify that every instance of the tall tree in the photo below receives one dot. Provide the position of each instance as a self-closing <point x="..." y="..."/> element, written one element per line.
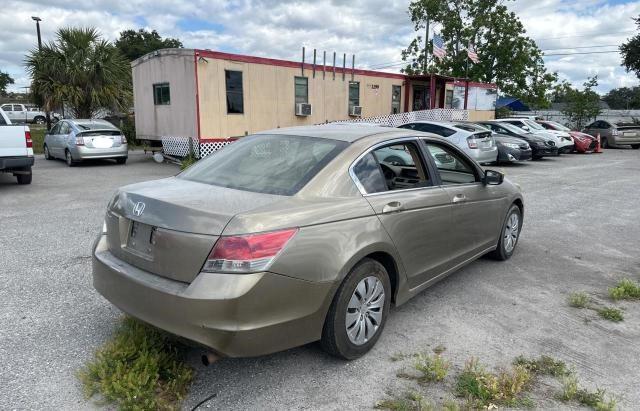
<point x="631" y="52"/>
<point x="580" y="106"/>
<point x="82" y="70"/>
<point x="5" y="80"/>
<point x="623" y="98"/>
<point x="134" y="44"/>
<point x="507" y="56"/>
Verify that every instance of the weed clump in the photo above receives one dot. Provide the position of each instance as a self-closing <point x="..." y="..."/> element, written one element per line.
<point x="625" y="290"/>
<point x="544" y="365"/>
<point x="571" y="391"/>
<point x="484" y="389"/>
<point x="611" y="314"/>
<point x="578" y="300"/>
<point x="432" y="368"/>
<point x="410" y="401"/>
<point x="139" y="368"/>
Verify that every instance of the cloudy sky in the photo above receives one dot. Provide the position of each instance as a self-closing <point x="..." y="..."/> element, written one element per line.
<point x="375" y="30"/>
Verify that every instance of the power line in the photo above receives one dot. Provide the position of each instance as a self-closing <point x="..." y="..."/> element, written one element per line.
<point x="582" y="47"/>
<point x="582" y="52"/>
<point x="586" y="35"/>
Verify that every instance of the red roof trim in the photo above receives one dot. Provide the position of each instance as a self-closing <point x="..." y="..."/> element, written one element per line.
<point x="217" y="140"/>
<point x="474" y="84"/>
<point x="292" y="64"/>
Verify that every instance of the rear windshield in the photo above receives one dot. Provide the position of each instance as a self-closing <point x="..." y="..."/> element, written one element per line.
<point x="94" y="126"/>
<point x="270" y="164"/>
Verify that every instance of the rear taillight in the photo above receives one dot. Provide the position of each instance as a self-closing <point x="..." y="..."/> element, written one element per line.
<point x="123" y="139"/>
<point x="472" y="142"/>
<point x="246" y="253"/>
<point x="79" y="141"/>
<point x="27" y="139"/>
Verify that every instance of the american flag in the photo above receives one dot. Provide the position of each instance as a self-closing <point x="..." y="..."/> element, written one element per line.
<point x="473" y="55"/>
<point x="438" y="46"/>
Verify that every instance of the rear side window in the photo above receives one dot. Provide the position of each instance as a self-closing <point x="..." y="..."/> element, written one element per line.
<point x="369" y="174"/>
<point x="270" y="164"/>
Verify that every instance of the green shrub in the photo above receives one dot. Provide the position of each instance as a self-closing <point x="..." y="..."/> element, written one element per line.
<point x="544" y="365"/>
<point x="578" y="300"/>
<point x="432" y="367"/>
<point x="571" y="391"/>
<point x="187" y="162"/>
<point x="625" y="290"/>
<point x="611" y="314"/>
<point x="140" y="368"/>
<point x="482" y="388"/>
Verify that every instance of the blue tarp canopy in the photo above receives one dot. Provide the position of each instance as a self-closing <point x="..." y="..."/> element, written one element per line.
<point x="512" y="103"/>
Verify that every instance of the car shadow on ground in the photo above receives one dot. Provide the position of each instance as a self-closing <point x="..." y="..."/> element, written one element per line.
<point x="89" y="163"/>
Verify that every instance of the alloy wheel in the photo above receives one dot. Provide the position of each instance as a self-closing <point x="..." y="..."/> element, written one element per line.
<point x="511" y="232"/>
<point x="364" y="312"/>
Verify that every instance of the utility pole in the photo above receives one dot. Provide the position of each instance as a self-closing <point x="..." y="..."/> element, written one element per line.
<point x="38" y="20"/>
<point x="426" y="48"/>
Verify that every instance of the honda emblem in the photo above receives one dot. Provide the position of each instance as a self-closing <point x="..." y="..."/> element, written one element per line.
<point x="138" y="209"/>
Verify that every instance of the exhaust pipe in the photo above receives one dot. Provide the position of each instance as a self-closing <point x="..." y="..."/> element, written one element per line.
<point x="209" y="358"/>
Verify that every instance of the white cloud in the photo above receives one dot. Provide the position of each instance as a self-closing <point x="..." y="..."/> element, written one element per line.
<point x="375" y="30"/>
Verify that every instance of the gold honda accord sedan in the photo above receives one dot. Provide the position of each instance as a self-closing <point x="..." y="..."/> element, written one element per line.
<point x="301" y="234"/>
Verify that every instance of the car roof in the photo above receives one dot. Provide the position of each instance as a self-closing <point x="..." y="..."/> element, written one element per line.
<point x="342" y="132"/>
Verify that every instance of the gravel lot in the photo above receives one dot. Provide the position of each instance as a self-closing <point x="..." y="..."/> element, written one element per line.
<point x="581" y="233"/>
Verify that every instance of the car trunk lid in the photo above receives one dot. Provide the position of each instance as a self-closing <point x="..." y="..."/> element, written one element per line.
<point x="168" y="227"/>
<point x="101" y="138"/>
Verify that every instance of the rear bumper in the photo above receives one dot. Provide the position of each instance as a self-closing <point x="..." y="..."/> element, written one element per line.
<point x="15" y="163"/>
<point x="484" y="156"/>
<point x="236" y="315"/>
<point x="85" y="153"/>
<point x="621" y="140"/>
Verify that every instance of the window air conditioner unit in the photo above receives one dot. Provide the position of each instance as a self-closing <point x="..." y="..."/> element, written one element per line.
<point x="303" y="109"/>
<point x="355" y="111"/>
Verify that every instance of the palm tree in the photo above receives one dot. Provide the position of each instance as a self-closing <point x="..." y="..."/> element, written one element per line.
<point x="82" y="70"/>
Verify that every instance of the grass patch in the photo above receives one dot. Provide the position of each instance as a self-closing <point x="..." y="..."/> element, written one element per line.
<point x="571" y="391"/>
<point x="410" y="401"/>
<point x="439" y="349"/>
<point x="544" y="365"/>
<point x="431" y="367"/>
<point x="37" y="136"/>
<point x="579" y="300"/>
<point x="140" y="368"/>
<point x="484" y="389"/>
<point x="611" y="314"/>
<point x="187" y="162"/>
<point x="625" y="290"/>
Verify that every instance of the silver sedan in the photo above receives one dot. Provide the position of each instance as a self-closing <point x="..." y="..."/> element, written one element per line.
<point x="77" y="140"/>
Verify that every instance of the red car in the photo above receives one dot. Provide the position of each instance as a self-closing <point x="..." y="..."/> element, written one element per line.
<point x="583" y="143"/>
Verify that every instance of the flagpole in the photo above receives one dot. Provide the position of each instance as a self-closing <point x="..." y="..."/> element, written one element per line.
<point x="426" y="48"/>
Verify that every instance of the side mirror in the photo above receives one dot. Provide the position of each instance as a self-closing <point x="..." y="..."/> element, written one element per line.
<point x="526" y="128"/>
<point x="492" y="178"/>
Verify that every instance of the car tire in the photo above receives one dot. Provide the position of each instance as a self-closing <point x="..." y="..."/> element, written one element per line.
<point x="24" y="179"/>
<point x="121" y="160"/>
<point x="635" y="146"/>
<point x="507" y="246"/>
<point x="365" y="278"/>
<point x="68" y="159"/>
<point x="47" y="155"/>
<point x="39" y="120"/>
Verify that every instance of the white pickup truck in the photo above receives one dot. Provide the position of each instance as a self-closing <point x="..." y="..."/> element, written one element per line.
<point x="16" y="149"/>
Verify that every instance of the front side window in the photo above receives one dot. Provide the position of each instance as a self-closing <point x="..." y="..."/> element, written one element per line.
<point x="55" y="129"/>
<point x="354" y="94"/>
<point x="452" y="166"/>
<point x="270" y="164"/>
<point x="161" y="94"/>
<point x="392" y="167"/>
<point x="233" y="83"/>
<point x="301" y="90"/>
<point x="64" y="128"/>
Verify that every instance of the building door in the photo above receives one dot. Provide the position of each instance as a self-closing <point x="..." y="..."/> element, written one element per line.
<point x="420" y="98"/>
<point x="396" y="91"/>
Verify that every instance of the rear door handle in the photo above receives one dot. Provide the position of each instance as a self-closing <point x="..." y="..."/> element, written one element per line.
<point x="459" y="198"/>
<point x="392" y="207"/>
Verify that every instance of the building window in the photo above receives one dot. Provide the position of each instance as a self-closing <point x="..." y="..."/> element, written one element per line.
<point x="235" y="103"/>
<point x="161" y="94"/>
<point x="395" y="99"/>
<point x="354" y="94"/>
<point x="302" y="90"/>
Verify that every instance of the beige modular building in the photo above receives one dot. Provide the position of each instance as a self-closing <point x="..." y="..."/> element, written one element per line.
<point x="212" y="96"/>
